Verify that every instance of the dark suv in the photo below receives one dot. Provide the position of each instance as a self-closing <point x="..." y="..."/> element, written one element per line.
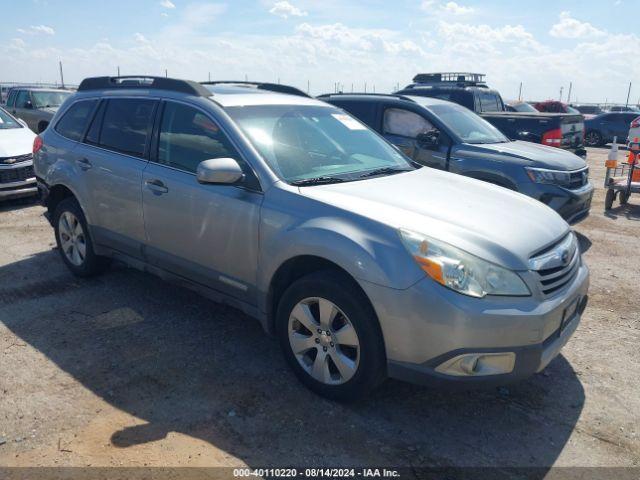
<point x="447" y="136"/>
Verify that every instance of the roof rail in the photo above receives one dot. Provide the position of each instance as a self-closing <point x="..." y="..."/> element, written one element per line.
<point x="272" y="87"/>
<point x="145" y="82"/>
<point x="466" y="78"/>
<point x="393" y="95"/>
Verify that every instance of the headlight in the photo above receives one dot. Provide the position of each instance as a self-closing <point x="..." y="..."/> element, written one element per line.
<point x="461" y="271"/>
<point x="552" y="177"/>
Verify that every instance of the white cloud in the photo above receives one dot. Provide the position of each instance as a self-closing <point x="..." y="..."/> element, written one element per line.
<point x="37" y="29"/>
<point x="569" y="27"/>
<point x="434" y="7"/>
<point x="284" y="9"/>
<point x="455" y="9"/>
<point x="164" y="14"/>
<point x="167" y="4"/>
<point x="140" y="38"/>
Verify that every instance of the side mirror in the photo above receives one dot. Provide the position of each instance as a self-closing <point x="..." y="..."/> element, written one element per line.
<point x="429" y="140"/>
<point x="221" y="171"/>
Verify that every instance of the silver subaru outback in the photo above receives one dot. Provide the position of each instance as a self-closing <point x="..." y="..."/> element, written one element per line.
<point x="363" y="264"/>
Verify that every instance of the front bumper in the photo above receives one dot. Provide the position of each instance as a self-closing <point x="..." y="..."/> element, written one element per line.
<point x="427" y="325"/>
<point x="17" y="180"/>
<point x="572" y="205"/>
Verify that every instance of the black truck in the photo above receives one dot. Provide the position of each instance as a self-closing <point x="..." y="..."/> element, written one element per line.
<point x="470" y="90"/>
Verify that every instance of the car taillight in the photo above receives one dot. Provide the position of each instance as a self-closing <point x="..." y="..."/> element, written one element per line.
<point x="635" y="123"/>
<point x="37" y="144"/>
<point x="552" y="137"/>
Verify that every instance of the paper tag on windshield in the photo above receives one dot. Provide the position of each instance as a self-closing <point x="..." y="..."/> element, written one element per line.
<point x="347" y="121"/>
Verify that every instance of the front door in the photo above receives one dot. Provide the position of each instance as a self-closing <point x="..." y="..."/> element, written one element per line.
<point x="207" y="233"/>
<point x="402" y="127"/>
<point x="23" y="108"/>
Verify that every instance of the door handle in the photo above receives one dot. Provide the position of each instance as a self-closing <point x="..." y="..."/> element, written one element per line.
<point x="84" y="164"/>
<point x="156" y="186"/>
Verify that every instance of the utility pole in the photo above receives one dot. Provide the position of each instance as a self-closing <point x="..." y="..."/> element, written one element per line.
<point x="166" y="73"/>
<point x="308" y="86"/>
<point x="62" y="76"/>
<point x="209" y="76"/>
<point x="628" y="93"/>
<point x="561" y="88"/>
<point x="118" y="70"/>
<point x="569" y="94"/>
<point x="365" y="87"/>
<point x="520" y="93"/>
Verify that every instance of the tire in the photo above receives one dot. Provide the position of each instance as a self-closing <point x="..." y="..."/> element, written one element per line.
<point x="609" y="198"/>
<point x="74" y="240"/>
<point x="623" y="197"/>
<point x="42" y="126"/>
<point x="593" y="138"/>
<point x="338" y="371"/>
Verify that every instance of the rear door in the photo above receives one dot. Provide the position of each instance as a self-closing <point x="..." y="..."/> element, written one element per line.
<point x="207" y="233"/>
<point x="111" y="161"/>
<point x="23" y="108"/>
<point x="402" y="126"/>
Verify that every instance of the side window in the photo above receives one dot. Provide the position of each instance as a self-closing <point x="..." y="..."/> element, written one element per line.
<point x="405" y="123"/>
<point x="22" y="99"/>
<point x="488" y="102"/>
<point x="74" y="121"/>
<point x="127" y="124"/>
<point x="363" y="111"/>
<point x="93" y="134"/>
<point x="11" y="98"/>
<point x="188" y="136"/>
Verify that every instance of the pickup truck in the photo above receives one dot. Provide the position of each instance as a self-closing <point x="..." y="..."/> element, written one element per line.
<point x="470" y="90"/>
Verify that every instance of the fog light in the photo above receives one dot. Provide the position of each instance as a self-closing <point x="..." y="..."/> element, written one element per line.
<point x="478" y="364"/>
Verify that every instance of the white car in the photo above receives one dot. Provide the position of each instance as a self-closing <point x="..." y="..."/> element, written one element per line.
<point x="16" y="160"/>
<point x="634" y="130"/>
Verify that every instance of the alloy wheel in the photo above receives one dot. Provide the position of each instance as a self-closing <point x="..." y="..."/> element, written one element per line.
<point x="72" y="238"/>
<point x="324" y="341"/>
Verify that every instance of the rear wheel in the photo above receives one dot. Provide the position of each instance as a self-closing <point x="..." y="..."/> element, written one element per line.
<point x="623" y="197"/>
<point x="74" y="240"/>
<point x="330" y="336"/>
<point x="609" y="198"/>
<point x="593" y="139"/>
<point x="42" y="126"/>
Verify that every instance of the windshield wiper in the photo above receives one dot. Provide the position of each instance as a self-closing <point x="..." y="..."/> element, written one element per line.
<point x="316" y="181"/>
<point x="383" y="171"/>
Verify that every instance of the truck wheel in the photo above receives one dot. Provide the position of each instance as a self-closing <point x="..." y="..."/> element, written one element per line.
<point x="609" y="198"/>
<point x="330" y="336"/>
<point x="593" y="139"/>
<point x="74" y="240"/>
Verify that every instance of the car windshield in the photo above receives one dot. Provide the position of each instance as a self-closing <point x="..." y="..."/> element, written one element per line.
<point x="304" y="142"/>
<point x="7" y="121"/>
<point x="49" y="99"/>
<point x="468" y="126"/>
<point x="523" y="107"/>
<point x="572" y="110"/>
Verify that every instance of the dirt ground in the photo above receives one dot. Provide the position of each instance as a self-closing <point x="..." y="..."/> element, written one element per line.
<point x="126" y="370"/>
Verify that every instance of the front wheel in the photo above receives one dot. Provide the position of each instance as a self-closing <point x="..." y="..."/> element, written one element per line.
<point x="624" y="197"/>
<point x="74" y="240"/>
<point x="330" y="336"/>
<point x="609" y="198"/>
<point x="593" y="139"/>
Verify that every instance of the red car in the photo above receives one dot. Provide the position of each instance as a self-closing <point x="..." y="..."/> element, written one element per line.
<point x="554" y="106"/>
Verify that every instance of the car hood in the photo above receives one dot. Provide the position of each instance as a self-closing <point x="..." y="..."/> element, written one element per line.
<point x="488" y="221"/>
<point x="532" y="154"/>
<point x="16" y="141"/>
<point x="51" y="110"/>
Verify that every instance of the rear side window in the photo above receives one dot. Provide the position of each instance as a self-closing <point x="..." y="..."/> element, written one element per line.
<point x="188" y="137"/>
<point x="489" y="102"/>
<point x="363" y="111"/>
<point x="127" y="125"/>
<point x="74" y="121"/>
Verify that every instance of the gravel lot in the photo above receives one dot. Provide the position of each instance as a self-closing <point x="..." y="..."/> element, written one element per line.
<point x="127" y="370"/>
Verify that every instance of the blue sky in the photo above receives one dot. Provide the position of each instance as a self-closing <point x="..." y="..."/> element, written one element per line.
<point x="544" y="44"/>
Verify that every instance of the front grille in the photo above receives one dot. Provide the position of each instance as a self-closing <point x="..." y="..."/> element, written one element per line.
<point x="578" y="179"/>
<point x="15" y="159"/>
<point x="16" y="174"/>
<point x="552" y="272"/>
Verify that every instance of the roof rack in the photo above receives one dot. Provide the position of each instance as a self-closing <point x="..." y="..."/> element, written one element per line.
<point x="146" y="82"/>
<point x="272" y="87"/>
<point x="394" y="95"/>
<point x="464" y="78"/>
